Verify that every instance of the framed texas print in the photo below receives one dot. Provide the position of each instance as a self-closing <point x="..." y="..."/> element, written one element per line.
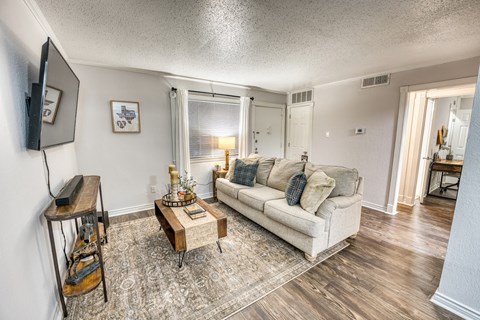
<point x="125" y="116"/>
<point x="51" y="104"/>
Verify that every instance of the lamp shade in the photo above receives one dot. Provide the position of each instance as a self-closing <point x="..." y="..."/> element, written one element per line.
<point x="226" y="143"/>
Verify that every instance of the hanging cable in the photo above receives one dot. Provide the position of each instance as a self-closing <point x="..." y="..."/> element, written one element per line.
<point x="48" y="174"/>
<point x="67" y="261"/>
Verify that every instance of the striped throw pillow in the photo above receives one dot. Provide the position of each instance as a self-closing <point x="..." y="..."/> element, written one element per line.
<point x="295" y="187"/>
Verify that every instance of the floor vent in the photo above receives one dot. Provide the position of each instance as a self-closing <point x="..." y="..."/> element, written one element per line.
<point x="380" y="80"/>
<point x="301" y="96"/>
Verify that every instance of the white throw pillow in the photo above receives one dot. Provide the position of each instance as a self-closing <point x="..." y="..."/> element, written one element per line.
<point x="318" y="188"/>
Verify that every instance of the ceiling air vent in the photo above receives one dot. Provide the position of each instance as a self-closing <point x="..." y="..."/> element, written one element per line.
<point x="380" y="80"/>
<point x="302" y="96"/>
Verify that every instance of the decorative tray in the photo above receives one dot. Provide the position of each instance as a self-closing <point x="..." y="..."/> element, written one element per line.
<point x="178" y="203"/>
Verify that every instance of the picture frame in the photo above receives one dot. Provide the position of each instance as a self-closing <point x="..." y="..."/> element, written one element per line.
<point x="125" y="116"/>
<point x="51" y="104"/>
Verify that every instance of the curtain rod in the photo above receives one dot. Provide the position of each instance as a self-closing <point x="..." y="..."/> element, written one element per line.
<point x="212" y="93"/>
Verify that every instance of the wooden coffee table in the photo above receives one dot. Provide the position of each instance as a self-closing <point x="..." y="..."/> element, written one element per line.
<point x="182" y="232"/>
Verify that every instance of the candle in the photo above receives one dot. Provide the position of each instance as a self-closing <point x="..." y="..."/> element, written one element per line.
<point x="174" y="177"/>
<point x="171" y="168"/>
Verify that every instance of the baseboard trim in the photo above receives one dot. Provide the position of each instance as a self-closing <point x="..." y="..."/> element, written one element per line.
<point x="127" y="210"/>
<point x="205" y="195"/>
<point x="455" y="307"/>
<point x="375" y="206"/>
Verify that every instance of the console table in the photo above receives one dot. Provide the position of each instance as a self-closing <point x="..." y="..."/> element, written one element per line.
<point x="85" y="205"/>
<point x="445" y="166"/>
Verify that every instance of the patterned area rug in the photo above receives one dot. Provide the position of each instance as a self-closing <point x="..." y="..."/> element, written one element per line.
<point x="144" y="281"/>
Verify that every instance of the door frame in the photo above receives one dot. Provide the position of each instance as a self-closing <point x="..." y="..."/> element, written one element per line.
<point x="264" y="104"/>
<point x="289" y="108"/>
<point x="401" y="132"/>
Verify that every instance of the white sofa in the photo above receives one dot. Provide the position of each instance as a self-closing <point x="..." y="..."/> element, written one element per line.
<point x="337" y="218"/>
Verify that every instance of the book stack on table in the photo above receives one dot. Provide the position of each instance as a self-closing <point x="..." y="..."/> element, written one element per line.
<point x="194" y="211"/>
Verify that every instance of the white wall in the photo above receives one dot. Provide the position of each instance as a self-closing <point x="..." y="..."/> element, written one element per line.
<point x="27" y="279"/>
<point x="130" y="163"/>
<point x="459" y="288"/>
<point x="340" y="107"/>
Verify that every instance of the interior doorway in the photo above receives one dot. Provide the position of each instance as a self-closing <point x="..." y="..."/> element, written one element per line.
<point x="434" y="131"/>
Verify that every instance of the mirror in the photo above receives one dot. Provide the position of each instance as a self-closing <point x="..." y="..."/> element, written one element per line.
<point x="458" y="125"/>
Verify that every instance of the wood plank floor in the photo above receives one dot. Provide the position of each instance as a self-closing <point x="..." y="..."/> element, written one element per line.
<point x="389" y="271"/>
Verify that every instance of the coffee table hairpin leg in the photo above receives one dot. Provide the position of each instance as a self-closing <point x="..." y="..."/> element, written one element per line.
<point x="219" y="246"/>
<point x="181" y="258"/>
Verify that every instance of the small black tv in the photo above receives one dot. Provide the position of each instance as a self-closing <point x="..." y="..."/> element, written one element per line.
<point x="52" y="109"/>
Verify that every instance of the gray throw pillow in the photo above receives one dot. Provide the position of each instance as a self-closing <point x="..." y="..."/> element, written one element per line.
<point x="295" y="187"/>
<point x="282" y="170"/>
<point x="345" y="178"/>
<point x="245" y="173"/>
<point x="318" y="187"/>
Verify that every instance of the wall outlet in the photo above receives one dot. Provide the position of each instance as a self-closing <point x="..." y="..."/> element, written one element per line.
<point x="360" y="130"/>
<point x="153" y="189"/>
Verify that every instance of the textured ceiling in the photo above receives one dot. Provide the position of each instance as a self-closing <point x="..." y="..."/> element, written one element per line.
<point x="272" y="44"/>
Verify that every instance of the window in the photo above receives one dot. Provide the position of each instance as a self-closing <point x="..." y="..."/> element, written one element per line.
<point x="210" y="118"/>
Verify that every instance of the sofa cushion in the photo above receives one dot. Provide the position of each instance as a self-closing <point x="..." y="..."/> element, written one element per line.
<point x="265" y="165"/>
<point x="295" y="187"/>
<point x="282" y="170"/>
<point x="245" y="173"/>
<point x="345" y="178"/>
<point x="256" y="197"/>
<point x="231" y="189"/>
<point x="294" y="217"/>
<point x="318" y="187"/>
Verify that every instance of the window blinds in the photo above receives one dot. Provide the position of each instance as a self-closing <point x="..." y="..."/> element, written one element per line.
<point x="208" y="120"/>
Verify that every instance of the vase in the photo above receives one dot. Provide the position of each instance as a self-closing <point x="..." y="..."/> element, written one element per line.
<point x="188" y="196"/>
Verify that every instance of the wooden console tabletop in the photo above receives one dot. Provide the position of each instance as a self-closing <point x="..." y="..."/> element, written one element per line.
<point x="85" y="202"/>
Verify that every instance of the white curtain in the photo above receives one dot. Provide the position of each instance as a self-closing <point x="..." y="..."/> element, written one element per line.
<point x="181" y="140"/>
<point x="244" y="131"/>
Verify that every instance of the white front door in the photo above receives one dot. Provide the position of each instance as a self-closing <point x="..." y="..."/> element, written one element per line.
<point x="460" y="133"/>
<point x="268" y="130"/>
<point x="299" y="131"/>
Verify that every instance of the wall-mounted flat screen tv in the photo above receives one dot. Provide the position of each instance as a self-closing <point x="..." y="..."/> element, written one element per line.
<point x="53" y="105"/>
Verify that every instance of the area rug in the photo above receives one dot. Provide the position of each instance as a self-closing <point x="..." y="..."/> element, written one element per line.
<point x="144" y="281"/>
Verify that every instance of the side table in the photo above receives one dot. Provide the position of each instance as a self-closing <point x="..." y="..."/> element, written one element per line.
<point x="215" y="175"/>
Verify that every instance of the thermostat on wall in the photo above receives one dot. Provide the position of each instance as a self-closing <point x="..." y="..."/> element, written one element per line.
<point x="360" y="130"/>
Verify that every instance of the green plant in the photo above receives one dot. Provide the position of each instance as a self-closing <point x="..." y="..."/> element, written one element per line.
<point x="187" y="183"/>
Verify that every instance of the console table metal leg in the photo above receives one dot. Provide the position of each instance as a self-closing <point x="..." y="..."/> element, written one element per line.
<point x="219" y="246"/>
<point x="103" y="213"/>
<point x="100" y="256"/>
<point x="57" y="271"/>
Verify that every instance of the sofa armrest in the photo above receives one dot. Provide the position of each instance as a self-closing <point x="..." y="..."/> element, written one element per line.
<point x="360" y="186"/>
<point x="326" y="209"/>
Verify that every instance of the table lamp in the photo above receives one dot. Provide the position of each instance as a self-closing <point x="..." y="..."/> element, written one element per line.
<point x="226" y="143"/>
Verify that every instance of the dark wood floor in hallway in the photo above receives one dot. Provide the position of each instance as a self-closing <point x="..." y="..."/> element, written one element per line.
<point x="389" y="271"/>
